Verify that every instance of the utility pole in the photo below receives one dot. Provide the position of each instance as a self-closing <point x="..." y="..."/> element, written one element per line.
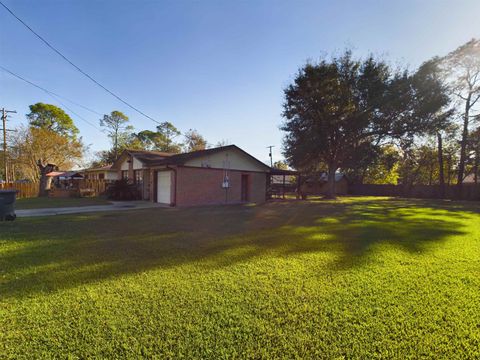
<point x="4" y="129"/>
<point x="270" y="154"/>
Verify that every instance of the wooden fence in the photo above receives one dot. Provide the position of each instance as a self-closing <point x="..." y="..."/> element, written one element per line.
<point x="94" y="187"/>
<point x="86" y="187"/>
<point x="25" y="190"/>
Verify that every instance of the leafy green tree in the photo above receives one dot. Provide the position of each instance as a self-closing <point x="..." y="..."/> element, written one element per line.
<point x="385" y="168"/>
<point x="364" y="158"/>
<point x="339" y="112"/>
<point x="451" y="151"/>
<point x="150" y="140"/>
<point x="334" y="108"/>
<point x="432" y="105"/>
<point x="53" y="118"/>
<point x="104" y="157"/>
<point x="118" y="130"/>
<point x="160" y="140"/>
<point x="421" y="166"/>
<point x="123" y="137"/>
<point x="168" y="132"/>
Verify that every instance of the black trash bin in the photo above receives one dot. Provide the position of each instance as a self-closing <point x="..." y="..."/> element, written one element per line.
<point x="7" y="202"/>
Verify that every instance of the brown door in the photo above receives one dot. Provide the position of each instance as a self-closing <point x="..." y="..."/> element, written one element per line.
<point x="155" y="184"/>
<point x="244" y="185"/>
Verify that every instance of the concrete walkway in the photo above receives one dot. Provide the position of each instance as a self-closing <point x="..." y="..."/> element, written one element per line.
<point x="115" y="206"/>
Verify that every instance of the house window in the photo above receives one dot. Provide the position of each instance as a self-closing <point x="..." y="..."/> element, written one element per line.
<point x="138" y="175"/>
<point x="125" y="174"/>
<point x="101" y="176"/>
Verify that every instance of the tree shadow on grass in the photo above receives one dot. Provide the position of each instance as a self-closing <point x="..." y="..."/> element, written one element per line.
<point x="42" y="255"/>
<point x="351" y="231"/>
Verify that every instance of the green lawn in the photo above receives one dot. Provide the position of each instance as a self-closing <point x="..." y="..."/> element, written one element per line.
<point x="47" y="202"/>
<point x="359" y="278"/>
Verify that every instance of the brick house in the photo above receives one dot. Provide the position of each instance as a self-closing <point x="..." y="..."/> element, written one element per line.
<point x="219" y="175"/>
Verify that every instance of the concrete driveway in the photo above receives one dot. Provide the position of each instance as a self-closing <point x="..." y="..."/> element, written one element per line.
<point x="115" y="206"/>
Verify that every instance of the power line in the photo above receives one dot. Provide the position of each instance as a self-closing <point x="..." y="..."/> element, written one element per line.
<point x="75" y="66"/>
<point x="80" y="105"/>
<point x="76" y="114"/>
<point x="56" y="96"/>
<point x="49" y="91"/>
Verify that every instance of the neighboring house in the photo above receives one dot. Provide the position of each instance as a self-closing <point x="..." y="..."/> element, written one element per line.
<point x="318" y="184"/>
<point x="101" y="173"/>
<point x="213" y="176"/>
<point x="65" y="179"/>
<point x="64" y="183"/>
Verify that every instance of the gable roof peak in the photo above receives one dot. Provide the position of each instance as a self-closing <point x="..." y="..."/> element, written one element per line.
<point x="180" y="159"/>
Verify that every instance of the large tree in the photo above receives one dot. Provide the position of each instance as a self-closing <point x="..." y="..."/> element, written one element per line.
<point x="333" y="110"/>
<point x="419" y="166"/>
<point x="339" y="112"/>
<point x="168" y="132"/>
<point x="150" y="140"/>
<point x="51" y="117"/>
<point x="161" y="140"/>
<point x="432" y="103"/>
<point x="50" y="141"/>
<point x="384" y="169"/>
<point x="462" y="69"/>
<point x="123" y="137"/>
<point x="36" y="151"/>
<point x="118" y="130"/>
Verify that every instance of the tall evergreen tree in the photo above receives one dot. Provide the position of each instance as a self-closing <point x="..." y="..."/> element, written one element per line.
<point x="118" y="130"/>
<point x="53" y="118"/>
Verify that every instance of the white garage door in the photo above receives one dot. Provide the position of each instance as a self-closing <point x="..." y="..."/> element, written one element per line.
<point x="163" y="187"/>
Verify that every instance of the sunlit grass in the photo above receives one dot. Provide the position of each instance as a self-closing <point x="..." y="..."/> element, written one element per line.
<point x="354" y="278"/>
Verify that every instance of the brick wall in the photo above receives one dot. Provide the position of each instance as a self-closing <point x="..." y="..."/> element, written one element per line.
<point x="200" y="186"/>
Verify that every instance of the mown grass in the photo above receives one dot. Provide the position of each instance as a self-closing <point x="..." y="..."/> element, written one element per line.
<point x="358" y="278"/>
<point x="47" y="202"/>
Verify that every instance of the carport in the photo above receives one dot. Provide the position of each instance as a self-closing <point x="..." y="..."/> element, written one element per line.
<point x="281" y="183"/>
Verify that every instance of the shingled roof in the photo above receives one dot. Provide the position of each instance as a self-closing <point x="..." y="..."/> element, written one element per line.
<point x="100" y="168"/>
<point x="157" y="158"/>
<point x="181" y="159"/>
<point x="148" y="156"/>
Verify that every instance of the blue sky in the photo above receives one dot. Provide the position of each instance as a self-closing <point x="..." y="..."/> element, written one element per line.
<point x="216" y="66"/>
